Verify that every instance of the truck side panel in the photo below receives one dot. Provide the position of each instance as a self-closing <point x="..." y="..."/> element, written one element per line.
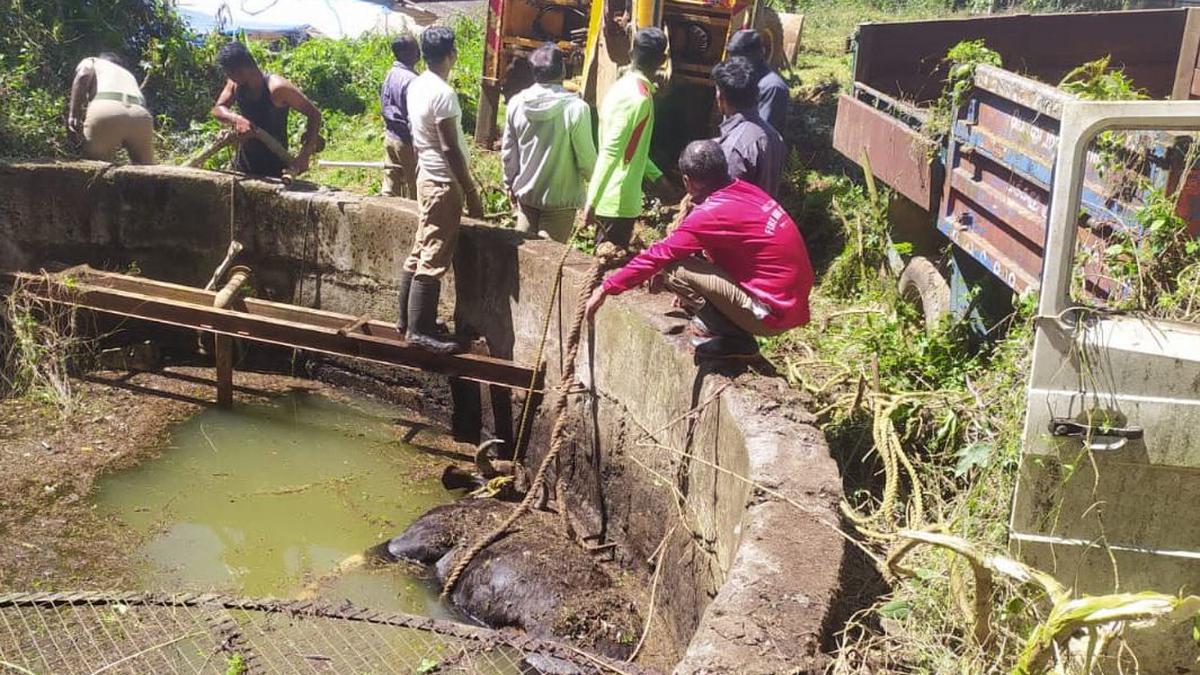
<point x="905" y="60"/>
<point x="898" y="154"/>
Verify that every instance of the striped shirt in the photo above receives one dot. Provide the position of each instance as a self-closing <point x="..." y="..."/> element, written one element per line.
<point x="623" y="156"/>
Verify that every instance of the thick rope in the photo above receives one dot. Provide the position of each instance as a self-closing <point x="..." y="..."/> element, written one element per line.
<point x="605" y="255"/>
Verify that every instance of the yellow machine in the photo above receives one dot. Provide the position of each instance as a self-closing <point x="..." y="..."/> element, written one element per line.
<point x="598" y="45"/>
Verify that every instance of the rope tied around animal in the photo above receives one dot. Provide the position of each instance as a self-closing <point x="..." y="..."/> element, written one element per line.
<point x="607" y="256"/>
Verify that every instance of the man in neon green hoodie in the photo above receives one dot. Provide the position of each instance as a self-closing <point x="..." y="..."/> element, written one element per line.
<point x="614" y="199"/>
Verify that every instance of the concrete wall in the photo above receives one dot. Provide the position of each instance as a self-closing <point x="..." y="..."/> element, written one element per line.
<point x="750" y="574"/>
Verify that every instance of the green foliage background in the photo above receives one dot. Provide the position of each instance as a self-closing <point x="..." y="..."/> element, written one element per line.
<point x="43" y="41"/>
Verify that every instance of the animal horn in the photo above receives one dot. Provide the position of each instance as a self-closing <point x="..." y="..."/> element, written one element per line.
<point x="483" y="462"/>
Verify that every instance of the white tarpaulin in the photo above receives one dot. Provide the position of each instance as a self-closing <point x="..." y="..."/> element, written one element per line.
<point x="294" y="18"/>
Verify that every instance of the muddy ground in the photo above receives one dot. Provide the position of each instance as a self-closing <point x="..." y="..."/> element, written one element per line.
<point x="52" y="539"/>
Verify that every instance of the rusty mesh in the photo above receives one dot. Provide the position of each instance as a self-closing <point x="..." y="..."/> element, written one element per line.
<point x="88" y="632"/>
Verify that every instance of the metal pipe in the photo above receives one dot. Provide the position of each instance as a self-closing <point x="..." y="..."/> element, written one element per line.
<point x="357" y="165"/>
<point x="235" y="247"/>
<point x="237" y="276"/>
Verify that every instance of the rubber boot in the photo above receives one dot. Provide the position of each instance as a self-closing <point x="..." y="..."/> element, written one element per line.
<point x="728" y="339"/>
<point x="406" y="279"/>
<point x="422" y="316"/>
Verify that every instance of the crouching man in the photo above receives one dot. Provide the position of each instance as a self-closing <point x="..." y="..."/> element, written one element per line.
<point x="754" y="278"/>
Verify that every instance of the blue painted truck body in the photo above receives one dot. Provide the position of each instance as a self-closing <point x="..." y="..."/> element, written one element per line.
<point x="985" y="190"/>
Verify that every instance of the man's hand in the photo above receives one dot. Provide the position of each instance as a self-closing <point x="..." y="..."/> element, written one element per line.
<point x="301" y="163"/>
<point x="474" y="204"/>
<point x="75" y="125"/>
<point x="594" y="303"/>
<point x="666" y="191"/>
<point x="243" y="126"/>
<point x="656" y="283"/>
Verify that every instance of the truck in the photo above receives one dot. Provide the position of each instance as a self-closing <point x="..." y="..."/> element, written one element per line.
<point x="973" y="205"/>
<point x="697" y="31"/>
<point x="1014" y="200"/>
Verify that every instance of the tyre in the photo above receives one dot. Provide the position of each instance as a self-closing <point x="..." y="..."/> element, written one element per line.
<point x="923" y="285"/>
<point x="770" y="26"/>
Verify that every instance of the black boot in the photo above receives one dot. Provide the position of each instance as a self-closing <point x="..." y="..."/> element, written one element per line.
<point x="406" y="279"/>
<point x="728" y="339"/>
<point x="422" y="315"/>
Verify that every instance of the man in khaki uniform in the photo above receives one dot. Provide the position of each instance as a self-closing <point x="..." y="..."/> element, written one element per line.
<point x="116" y="111"/>
<point x="444" y="183"/>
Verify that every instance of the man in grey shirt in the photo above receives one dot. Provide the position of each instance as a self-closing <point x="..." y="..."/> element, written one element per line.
<point x="753" y="149"/>
<point x="547" y="150"/>
<point x="400" y="179"/>
<point x="773" y="93"/>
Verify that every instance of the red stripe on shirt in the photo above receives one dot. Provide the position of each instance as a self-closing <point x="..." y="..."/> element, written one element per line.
<point x="634" y="138"/>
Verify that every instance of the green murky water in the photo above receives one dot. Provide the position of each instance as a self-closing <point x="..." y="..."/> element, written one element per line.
<point x="267" y="498"/>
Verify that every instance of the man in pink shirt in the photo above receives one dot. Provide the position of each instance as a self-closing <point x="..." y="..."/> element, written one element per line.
<point x="754" y="277"/>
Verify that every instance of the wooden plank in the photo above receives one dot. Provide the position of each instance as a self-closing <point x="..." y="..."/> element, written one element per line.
<point x="224" y="361"/>
<point x="354" y="326"/>
<point x="1189" y="50"/>
<point x="315" y="331"/>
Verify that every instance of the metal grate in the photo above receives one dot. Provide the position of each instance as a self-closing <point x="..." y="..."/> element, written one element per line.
<point x="68" y="633"/>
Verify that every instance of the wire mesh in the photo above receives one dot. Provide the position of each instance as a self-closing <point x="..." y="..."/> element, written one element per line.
<point x="93" y="633"/>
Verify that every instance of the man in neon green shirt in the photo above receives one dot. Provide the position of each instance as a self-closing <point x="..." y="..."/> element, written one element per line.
<point x="614" y="199"/>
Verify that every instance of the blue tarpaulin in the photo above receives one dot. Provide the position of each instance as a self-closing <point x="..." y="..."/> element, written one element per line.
<point x="292" y="18"/>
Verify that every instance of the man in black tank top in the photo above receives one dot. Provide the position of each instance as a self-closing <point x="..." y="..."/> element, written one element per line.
<point x="263" y="102"/>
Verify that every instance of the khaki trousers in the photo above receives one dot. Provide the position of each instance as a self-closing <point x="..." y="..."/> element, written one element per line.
<point x="440" y="208"/>
<point x="109" y="126"/>
<point x="556" y="224"/>
<point x="697" y="281"/>
<point x="402" y="181"/>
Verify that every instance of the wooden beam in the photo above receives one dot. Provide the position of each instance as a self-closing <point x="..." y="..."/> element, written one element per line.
<point x="224" y="358"/>
<point x="1189" y="49"/>
<point x="271" y="323"/>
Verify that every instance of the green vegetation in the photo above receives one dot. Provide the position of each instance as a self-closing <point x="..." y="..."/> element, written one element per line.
<point x="40" y="345"/>
<point x="235" y="664"/>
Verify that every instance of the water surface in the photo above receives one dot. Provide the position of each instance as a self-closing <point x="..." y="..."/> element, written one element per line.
<point x="267" y="498"/>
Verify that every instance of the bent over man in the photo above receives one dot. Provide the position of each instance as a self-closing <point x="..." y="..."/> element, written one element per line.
<point x="755" y="276"/>
<point x="116" y="111"/>
<point x="263" y="102"/>
<point x="443" y="183"/>
<point x="547" y="149"/>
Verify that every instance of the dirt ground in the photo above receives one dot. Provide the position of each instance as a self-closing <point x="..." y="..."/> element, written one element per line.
<point x="50" y="538"/>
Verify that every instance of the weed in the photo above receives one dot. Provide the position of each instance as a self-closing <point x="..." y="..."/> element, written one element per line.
<point x="235" y="664"/>
<point x="43" y="343"/>
<point x="963" y="58"/>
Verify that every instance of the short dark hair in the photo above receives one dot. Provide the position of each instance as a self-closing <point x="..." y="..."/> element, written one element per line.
<point x="649" y="48"/>
<point x="437" y="44"/>
<point x="235" y="56"/>
<point x="736" y="82"/>
<point x="704" y="162"/>
<point x="547" y="63"/>
<point x="405" y="49"/>
<point x="747" y="43"/>
<point x="112" y="57"/>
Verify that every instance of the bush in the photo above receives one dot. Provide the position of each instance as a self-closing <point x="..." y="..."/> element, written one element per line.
<point x="43" y="41"/>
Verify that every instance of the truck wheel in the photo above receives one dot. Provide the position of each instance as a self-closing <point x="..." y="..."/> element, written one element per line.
<point x="923" y="285"/>
<point x="770" y="26"/>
